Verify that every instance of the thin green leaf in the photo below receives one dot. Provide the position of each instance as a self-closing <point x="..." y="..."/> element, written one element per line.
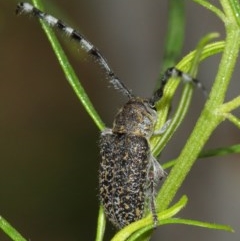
<point x="233" y="119"/>
<point x="212" y="8"/>
<point x="221" y="151"/>
<point x="198" y="52"/>
<point x="198" y="224"/>
<point x="69" y="71"/>
<point x="101" y="224"/>
<point x="209" y="119"/>
<point x="146" y="224"/>
<point x="174" y="36"/>
<point x="10" y="231"/>
<point x="195" y="57"/>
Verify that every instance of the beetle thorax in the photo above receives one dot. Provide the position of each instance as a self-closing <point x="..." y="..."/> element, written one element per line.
<point x="136" y="117"/>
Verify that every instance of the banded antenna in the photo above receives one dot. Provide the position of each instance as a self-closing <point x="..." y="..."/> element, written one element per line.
<point x="27" y="8"/>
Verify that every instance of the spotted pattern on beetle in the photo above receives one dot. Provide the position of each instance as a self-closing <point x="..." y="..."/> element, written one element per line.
<point x="128" y="172"/>
<point x="127" y="162"/>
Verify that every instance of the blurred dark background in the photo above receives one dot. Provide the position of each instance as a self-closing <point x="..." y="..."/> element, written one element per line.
<point x="48" y="144"/>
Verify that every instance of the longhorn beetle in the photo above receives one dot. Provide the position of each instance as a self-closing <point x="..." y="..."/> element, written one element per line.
<point x="128" y="172"/>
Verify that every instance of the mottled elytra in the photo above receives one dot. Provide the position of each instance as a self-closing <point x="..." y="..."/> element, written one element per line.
<point x="128" y="172"/>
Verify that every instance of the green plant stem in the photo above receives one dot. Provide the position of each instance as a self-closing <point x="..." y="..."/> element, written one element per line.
<point x="175" y="36"/>
<point x="203" y="51"/>
<point x="233" y="119"/>
<point x="195" y="223"/>
<point x="212" y="8"/>
<point x="209" y="119"/>
<point x="79" y="91"/>
<point x="101" y="224"/>
<point x="235" y="9"/>
<point x="147" y="221"/>
<point x="69" y="72"/>
<point x="234" y="149"/>
<point x="10" y="231"/>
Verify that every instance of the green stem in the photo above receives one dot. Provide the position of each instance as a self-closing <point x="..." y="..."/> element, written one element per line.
<point x="69" y="71"/>
<point x="208" y="120"/>
<point x="10" y="231"/>
<point x="158" y="143"/>
<point x="175" y="36"/>
<point x="212" y="8"/>
<point x="101" y="224"/>
<point x="234" y="149"/>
